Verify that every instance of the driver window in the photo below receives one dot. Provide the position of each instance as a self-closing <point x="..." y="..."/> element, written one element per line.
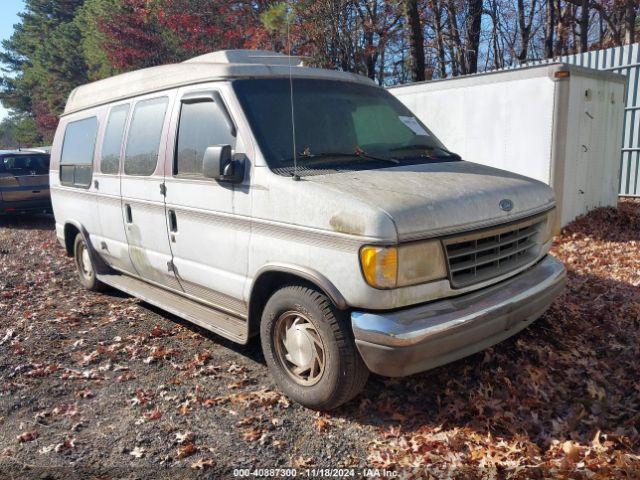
<point x="202" y="124"/>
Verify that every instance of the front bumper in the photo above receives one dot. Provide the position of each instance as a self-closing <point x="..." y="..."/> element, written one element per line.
<point x="412" y="340"/>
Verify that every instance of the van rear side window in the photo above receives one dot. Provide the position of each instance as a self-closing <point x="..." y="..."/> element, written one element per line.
<point x="76" y="160"/>
<point x="145" y="132"/>
<point x="112" y="144"/>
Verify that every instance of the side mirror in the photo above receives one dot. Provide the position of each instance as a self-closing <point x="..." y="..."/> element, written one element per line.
<point x="218" y="164"/>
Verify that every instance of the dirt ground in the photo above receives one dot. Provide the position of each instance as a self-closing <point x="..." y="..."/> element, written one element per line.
<point x="105" y="386"/>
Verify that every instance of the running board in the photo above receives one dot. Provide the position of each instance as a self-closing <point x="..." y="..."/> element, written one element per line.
<point x="223" y="324"/>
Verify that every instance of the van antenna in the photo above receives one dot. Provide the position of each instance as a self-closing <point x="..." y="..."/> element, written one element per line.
<point x="296" y="177"/>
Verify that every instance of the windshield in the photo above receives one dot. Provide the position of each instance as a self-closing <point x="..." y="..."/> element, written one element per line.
<point x="25" y="164"/>
<point x="338" y="125"/>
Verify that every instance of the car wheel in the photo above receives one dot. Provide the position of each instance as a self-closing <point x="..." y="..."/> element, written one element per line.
<point x="309" y="348"/>
<point x="84" y="265"/>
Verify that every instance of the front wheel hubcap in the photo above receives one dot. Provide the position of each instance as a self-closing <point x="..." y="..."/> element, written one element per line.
<point x="299" y="348"/>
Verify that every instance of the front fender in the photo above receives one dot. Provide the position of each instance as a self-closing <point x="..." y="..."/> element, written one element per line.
<point x="305" y="273"/>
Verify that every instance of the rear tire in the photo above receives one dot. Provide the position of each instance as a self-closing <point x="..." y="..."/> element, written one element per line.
<point x="85" y="266"/>
<point x="309" y="347"/>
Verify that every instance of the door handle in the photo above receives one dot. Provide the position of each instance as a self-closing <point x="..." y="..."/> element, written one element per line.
<point x="127" y="211"/>
<point x="173" y="221"/>
<point x="96" y="184"/>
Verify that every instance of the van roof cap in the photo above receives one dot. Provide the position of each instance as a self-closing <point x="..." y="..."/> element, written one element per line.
<point x="255" y="57"/>
<point x="221" y="65"/>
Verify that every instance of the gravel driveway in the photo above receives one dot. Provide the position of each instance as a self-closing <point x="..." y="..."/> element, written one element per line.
<point x="106" y="386"/>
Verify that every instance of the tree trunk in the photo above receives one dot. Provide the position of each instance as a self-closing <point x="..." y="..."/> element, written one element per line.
<point x="562" y="30"/>
<point x="472" y="41"/>
<point x="522" y="54"/>
<point x="630" y="22"/>
<point x="498" y="60"/>
<point x="416" y="40"/>
<point x="549" y="28"/>
<point x="381" y="65"/>
<point x="437" y="14"/>
<point x="371" y="55"/>
<point x="458" y="65"/>
<point x="584" y="26"/>
<point x="369" y="17"/>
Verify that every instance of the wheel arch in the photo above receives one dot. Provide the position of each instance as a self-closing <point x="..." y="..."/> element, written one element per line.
<point x="272" y="277"/>
<point x="71" y="230"/>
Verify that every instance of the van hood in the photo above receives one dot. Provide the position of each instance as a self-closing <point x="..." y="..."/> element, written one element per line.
<point x="435" y="199"/>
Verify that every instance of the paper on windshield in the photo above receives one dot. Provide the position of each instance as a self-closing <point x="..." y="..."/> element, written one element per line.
<point x="413" y="125"/>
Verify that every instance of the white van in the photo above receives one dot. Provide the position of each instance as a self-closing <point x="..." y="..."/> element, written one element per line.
<point x="350" y="240"/>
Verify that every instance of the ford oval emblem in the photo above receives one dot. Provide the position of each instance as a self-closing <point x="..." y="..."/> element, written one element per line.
<point x="506" y="204"/>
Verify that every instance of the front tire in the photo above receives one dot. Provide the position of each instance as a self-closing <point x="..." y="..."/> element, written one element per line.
<point x="85" y="266"/>
<point x="309" y="348"/>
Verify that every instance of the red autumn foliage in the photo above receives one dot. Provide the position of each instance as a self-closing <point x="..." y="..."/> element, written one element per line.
<point x="46" y="121"/>
<point x="139" y="35"/>
<point x="133" y="39"/>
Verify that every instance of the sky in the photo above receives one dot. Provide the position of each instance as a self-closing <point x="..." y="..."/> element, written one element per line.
<point x="8" y="17"/>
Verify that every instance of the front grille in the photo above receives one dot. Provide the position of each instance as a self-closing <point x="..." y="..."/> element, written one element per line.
<point x="482" y="255"/>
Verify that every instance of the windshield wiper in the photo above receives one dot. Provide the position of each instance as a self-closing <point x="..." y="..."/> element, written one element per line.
<point x="344" y="155"/>
<point x="427" y="147"/>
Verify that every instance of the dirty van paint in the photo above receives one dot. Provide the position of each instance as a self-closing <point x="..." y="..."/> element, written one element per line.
<point x="344" y="222"/>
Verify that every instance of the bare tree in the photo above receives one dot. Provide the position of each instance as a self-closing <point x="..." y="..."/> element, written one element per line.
<point x="436" y="8"/>
<point x="494" y="40"/>
<point x="472" y="43"/>
<point x="416" y="42"/>
<point x="525" y="21"/>
<point x="398" y="40"/>
<point x="631" y="7"/>
<point x="378" y="20"/>
<point x="584" y="26"/>
<point x="549" y="28"/>
<point x="458" y="66"/>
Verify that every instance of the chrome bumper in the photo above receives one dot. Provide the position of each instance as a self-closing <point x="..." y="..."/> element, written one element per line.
<point x="407" y="341"/>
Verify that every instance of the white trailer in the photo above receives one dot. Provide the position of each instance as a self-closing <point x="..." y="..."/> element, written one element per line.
<point x="560" y="124"/>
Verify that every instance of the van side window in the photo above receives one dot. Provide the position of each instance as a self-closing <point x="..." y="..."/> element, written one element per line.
<point x="112" y="143"/>
<point x="202" y="124"/>
<point x="76" y="160"/>
<point x="143" y="142"/>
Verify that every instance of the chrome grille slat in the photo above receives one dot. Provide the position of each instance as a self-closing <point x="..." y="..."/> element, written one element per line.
<point x="491" y="258"/>
<point x="479" y="256"/>
<point x="455" y="253"/>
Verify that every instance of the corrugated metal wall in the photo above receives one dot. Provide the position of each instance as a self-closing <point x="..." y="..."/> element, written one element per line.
<point x="624" y="60"/>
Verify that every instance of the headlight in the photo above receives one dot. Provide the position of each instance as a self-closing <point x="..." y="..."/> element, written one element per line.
<point x="391" y="267"/>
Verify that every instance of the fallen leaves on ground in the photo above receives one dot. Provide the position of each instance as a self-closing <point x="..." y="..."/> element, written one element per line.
<point x="29" y="436"/>
<point x="137" y="452"/>
<point x="203" y="463"/>
<point x="91" y="379"/>
<point x="563" y="395"/>
<point x="187" y="450"/>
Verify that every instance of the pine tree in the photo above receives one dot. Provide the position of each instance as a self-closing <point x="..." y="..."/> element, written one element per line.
<point x="43" y="56"/>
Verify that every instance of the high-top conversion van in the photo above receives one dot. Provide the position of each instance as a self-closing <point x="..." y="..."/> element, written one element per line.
<point x="349" y="238"/>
